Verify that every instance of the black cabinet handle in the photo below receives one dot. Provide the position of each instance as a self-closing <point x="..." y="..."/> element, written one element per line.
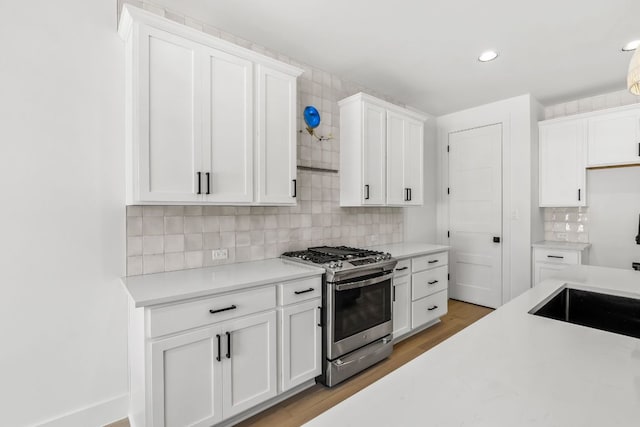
<point x="366" y="192"/>
<point x="638" y="148"/>
<point x="433" y="261"/>
<point x="410" y="195"/>
<point x="406" y="194"/>
<point x="220" y="310"/>
<point x="555" y="256"/>
<point x="433" y="282"/>
<point x="303" y="292"/>
<point x="228" y="345"/>
<point x="496" y="240"/>
<point x="295" y="188"/>
<point x="402" y="268"/>
<point x="432" y="308"/>
<point x="320" y="323"/>
<point x="394" y="294"/>
<point x="579" y="196"/>
<point x="208" y="175"/>
<point x="199" y="183"/>
<point x="218" y="358"/>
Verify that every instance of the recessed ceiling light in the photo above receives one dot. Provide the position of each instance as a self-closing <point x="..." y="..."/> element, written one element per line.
<point x="487" y="56"/>
<point x="633" y="45"/>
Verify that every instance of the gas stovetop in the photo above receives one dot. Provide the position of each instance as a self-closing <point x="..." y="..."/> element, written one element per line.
<point x="340" y="260"/>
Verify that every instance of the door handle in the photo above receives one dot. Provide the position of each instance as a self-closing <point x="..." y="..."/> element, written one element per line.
<point x="432" y="308"/>
<point x="295" y="188"/>
<point x="218" y="358"/>
<point x="579" y="194"/>
<point x="208" y="175"/>
<point x="410" y="195"/>
<point x="496" y="239"/>
<point x="433" y="282"/>
<point x="199" y="183"/>
<point x="228" y="345"/>
<point x="320" y="323"/>
<point x="366" y="192"/>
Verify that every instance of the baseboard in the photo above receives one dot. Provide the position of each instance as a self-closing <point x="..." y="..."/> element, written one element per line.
<point x="97" y="415"/>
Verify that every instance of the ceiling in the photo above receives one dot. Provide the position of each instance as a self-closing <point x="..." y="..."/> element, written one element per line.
<point x="424" y="53"/>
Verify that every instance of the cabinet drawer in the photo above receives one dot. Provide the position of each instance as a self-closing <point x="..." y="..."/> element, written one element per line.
<point x="179" y="317"/>
<point x="428" y="308"/>
<point x="428" y="282"/>
<point x="429" y="261"/>
<point x="299" y="290"/>
<point x="556" y="256"/>
<point x="403" y="267"/>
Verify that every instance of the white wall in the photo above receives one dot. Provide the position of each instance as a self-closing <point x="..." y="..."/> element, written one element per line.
<point x="614" y="206"/>
<point x="420" y="221"/>
<point x="522" y="223"/>
<point x="62" y="311"/>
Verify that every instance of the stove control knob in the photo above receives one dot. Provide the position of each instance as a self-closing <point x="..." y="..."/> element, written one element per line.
<point x="387" y="256"/>
<point x="339" y="264"/>
<point x="379" y="258"/>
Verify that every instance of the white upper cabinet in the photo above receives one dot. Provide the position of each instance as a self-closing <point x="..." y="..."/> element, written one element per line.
<point x="276" y="161"/>
<point x="562" y="164"/>
<point x="404" y="160"/>
<point x="208" y="122"/>
<point x="227" y="129"/>
<point x="165" y="123"/>
<point x="381" y="153"/>
<point x="614" y="138"/>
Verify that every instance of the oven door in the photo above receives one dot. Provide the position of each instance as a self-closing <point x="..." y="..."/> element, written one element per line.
<point x="359" y="313"/>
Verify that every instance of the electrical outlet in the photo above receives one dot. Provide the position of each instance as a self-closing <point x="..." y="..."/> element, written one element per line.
<point x="561" y="236"/>
<point x="219" y="254"/>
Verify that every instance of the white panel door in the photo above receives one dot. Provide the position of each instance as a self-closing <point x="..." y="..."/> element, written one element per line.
<point x="227" y="128"/>
<point x="475" y="215"/>
<point x="276" y="103"/>
<point x="300" y="343"/>
<point x="249" y="371"/>
<point x="169" y="125"/>
<point x="562" y="164"/>
<point x="414" y="161"/>
<point x="614" y="138"/>
<point x="401" y="305"/>
<point x="397" y="192"/>
<point x="186" y="380"/>
<point x="374" y="143"/>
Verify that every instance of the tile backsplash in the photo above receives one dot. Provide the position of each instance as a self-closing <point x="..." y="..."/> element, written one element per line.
<point x="566" y="224"/>
<point x="167" y="238"/>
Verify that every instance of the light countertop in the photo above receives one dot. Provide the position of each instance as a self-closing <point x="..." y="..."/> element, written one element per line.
<point x="406" y="250"/>
<point x="160" y="288"/>
<point x="512" y="368"/>
<point x="550" y="244"/>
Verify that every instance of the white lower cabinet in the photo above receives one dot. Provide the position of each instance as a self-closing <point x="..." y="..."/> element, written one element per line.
<point x="547" y="261"/>
<point x="200" y="378"/>
<point x="420" y="292"/>
<point x="401" y="305"/>
<point x="300" y="343"/>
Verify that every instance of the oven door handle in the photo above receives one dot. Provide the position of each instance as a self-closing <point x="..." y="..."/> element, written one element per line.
<point x="363" y="283"/>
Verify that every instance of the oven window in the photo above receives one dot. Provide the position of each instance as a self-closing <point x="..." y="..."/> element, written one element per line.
<point x="359" y="309"/>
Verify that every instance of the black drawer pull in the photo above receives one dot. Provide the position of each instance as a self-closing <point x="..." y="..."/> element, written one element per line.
<point x="432" y="283"/>
<point x="295" y="188"/>
<point x="228" y="345"/>
<point x="199" y="183"/>
<point x="555" y="256"/>
<point x="320" y="323"/>
<point x="220" y="310"/>
<point x="303" y="292"/>
<point x="433" y="261"/>
<point x="218" y="358"/>
<point x="366" y="190"/>
<point x="208" y="175"/>
<point x="432" y="308"/>
<point x="402" y="268"/>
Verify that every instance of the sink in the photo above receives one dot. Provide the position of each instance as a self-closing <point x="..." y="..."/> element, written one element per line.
<point x="611" y="313"/>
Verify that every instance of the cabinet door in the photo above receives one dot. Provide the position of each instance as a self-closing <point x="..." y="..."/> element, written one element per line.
<point x="249" y="373"/>
<point x="562" y="164"/>
<point x="374" y="142"/>
<point x="186" y="380"/>
<point x="614" y="138"/>
<point x="413" y="160"/>
<point x="300" y="343"/>
<point x="397" y="193"/>
<point x="167" y="126"/>
<point x="544" y="271"/>
<point x="227" y="128"/>
<point x="401" y="305"/>
<point x="276" y="103"/>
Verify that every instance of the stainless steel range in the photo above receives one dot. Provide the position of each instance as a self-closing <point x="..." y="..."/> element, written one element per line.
<point x="357" y="308"/>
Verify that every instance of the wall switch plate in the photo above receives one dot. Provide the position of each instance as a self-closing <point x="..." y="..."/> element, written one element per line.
<point x="220" y="254"/>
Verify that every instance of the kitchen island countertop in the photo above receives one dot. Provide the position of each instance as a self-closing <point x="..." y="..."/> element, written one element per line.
<point x="512" y="368"/>
<point x="407" y="250"/>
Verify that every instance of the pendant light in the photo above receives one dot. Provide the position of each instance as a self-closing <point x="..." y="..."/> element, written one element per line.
<point x="633" y="78"/>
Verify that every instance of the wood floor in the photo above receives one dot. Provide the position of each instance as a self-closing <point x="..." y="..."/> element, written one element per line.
<point x="312" y="402"/>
